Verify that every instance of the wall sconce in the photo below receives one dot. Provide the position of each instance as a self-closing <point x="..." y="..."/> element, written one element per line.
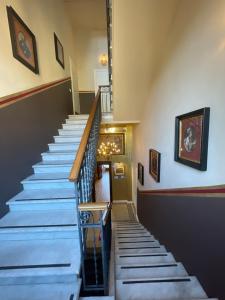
<point x="103" y="59"/>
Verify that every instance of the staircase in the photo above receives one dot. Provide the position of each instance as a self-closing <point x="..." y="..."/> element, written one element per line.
<point x="39" y="252"/>
<point x="144" y="270"/>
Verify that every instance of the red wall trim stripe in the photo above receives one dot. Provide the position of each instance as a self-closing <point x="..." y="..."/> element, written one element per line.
<point x="206" y="190"/>
<point x="24" y="94"/>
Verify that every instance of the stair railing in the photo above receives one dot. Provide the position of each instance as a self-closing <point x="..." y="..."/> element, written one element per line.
<point x="96" y="245"/>
<point x="83" y="176"/>
<point x="84" y="166"/>
<point x="106" y="99"/>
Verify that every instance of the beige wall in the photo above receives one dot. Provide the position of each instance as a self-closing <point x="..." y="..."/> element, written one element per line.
<point x="88" y="19"/>
<point x="90" y="44"/>
<point x="43" y="17"/>
<point x="190" y="76"/>
<point x="139" y="31"/>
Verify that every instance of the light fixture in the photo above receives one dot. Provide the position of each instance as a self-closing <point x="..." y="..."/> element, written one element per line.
<point x="108" y="149"/>
<point x="103" y="59"/>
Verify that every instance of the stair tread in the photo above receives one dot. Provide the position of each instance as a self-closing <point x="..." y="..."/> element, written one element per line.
<point x="68" y="162"/>
<point x="159" y="288"/>
<point x="59" y="152"/>
<point x="45" y="194"/>
<point x="85" y="116"/>
<point x="46" y="256"/>
<point x="53" y="256"/>
<point x="150" y="270"/>
<point x="18" y="219"/>
<point x="56" y="291"/>
<point x="47" y="176"/>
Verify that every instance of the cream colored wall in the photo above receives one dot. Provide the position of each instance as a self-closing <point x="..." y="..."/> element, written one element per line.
<point x="43" y="17"/>
<point x="88" y="18"/>
<point x="90" y="43"/>
<point x="190" y="76"/>
<point x="139" y="30"/>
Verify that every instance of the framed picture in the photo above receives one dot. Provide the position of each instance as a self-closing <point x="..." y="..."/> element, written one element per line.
<point x="23" y="41"/>
<point x="59" y="53"/>
<point x="119" y="169"/>
<point x="114" y="142"/>
<point x="141" y="173"/>
<point x="154" y="164"/>
<point x="191" y="138"/>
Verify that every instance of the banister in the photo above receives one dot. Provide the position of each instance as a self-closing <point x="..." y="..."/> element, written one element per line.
<point x="93" y="206"/>
<point x="75" y="171"/>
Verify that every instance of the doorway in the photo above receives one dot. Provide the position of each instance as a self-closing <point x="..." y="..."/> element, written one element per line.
<point x="103" y="183"/>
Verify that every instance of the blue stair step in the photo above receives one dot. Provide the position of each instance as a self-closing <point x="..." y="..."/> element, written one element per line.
<point x="56" y="291"/>
<point x="46" y="199"/>
<point x="174" y="288"/>
<point x="149" y="258"/>
<point x="59" y="155"/>
<point x="53" y="166"/>
<point x="47" y="181"/>
<point x="55" y="147"/>
<point x="160" y="270"/>
<point x="39" y="261"/>
<point x="50" y="224"/>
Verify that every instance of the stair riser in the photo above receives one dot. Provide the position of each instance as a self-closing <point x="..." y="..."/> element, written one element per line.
<point x="77" y="133"/>
<point x="78" y="117"/>
<point x="145" y="239"/>
<point x="66" y="139"/>
<point x="150" y="272"/>
<point x="140" y="251"/>
<point x="45" y="184"/>
<point x="160" y="290"/>
<point x="76" y="122"/>
<point x="139" y="244"/>
<point x="73" y="127"/>
<point x="45" y="235"/>
<point x="50" y="169"/>
<point x="53" y="157"/>
<point x="144" y="260"/>
<point x="58" y="147"/>
<point x="8" y="280"/>
<point x="51" y="205"/>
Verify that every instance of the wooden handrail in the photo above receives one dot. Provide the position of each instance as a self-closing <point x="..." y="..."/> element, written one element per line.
<point x="75" y="171"/>
<point x="93" y="206"/>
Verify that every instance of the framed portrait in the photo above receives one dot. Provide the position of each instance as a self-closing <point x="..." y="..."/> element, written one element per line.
<point x="59" y="53"/>
<point x="141" y="173"/>
<point x="23" y="41"/>
<point x="117" y="139"/>
<point x="191" y="138"/>
<point x="154" y="164"/>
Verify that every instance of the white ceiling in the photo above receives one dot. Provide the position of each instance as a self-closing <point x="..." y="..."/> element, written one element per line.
<point x="89" y="14"/>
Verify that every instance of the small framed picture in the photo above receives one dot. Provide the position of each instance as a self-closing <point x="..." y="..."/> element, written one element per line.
<point x="141" y="173"/>
<point x="59" y="53"/>
<point x="23" y="41"/>
<point x="154" y="164"/>
<point x="191" y="138"/>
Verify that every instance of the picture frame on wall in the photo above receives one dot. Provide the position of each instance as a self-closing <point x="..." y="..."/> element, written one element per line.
<point x="154" y="164"/>
<point x="191" y="138"/>
<point x="23" y="41"/>
<point x="117" y="138"/>
<point x="59" y="52"/>
<point x="141" y="173"/>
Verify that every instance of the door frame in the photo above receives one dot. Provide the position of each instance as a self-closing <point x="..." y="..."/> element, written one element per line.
<point x="109" y="163"/>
